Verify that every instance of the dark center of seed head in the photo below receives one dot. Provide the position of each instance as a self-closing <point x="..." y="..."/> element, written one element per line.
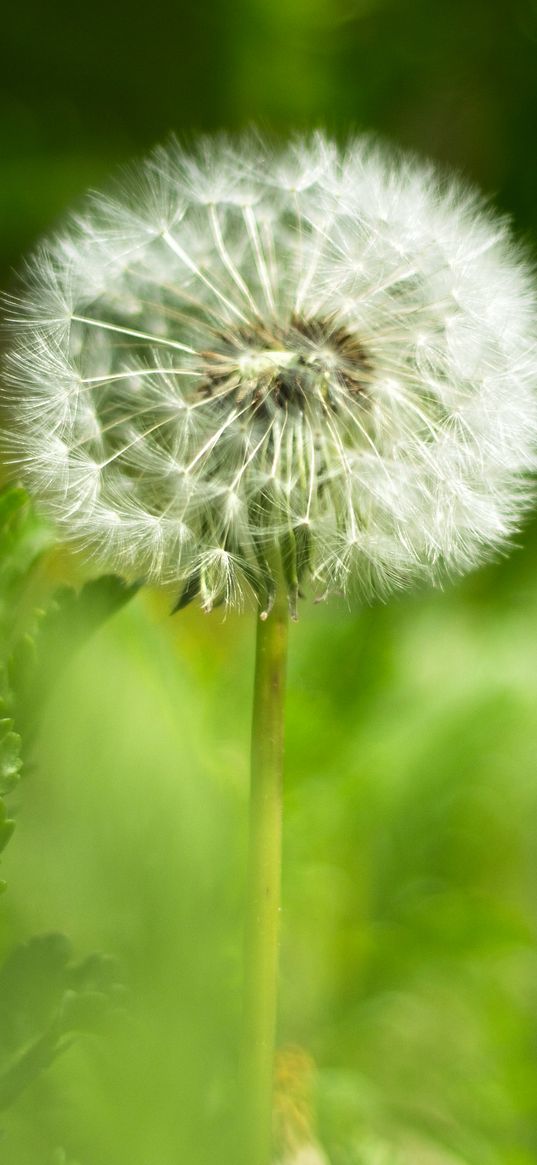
<point x="286" y="367"/>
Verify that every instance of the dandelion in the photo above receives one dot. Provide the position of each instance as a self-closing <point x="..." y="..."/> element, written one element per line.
<point x="248" y="372"/>
<point x="243" y="355"/>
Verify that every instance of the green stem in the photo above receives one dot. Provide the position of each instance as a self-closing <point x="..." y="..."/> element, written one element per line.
<point x="263" y="887"/>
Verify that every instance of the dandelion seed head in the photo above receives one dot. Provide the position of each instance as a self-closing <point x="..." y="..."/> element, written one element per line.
<point x="309" y="356"/>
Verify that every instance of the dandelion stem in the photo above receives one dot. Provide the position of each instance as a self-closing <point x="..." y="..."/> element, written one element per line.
<point x="264" y="877"/>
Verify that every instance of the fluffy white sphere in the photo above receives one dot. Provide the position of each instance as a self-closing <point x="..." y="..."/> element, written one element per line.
<point x="246" y="356"/>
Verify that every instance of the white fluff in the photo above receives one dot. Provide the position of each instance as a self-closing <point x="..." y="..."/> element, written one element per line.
<point x="330" y="352"/>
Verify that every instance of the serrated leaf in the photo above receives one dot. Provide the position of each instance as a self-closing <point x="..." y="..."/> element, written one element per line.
<point x="31" y="1064"/>
<point x="79" y="613"/>
<point x="6" y="827"/>
<point x="32" y="981"/>
<point x="10" y="758"/>
<point x="24" y="536"/>
<point x="36" y="644"/>
<point x="72" y="617"/>
<point x="44" y="999"/>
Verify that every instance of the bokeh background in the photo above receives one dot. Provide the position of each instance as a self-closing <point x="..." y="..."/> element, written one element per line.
<point x="409" y="952"/>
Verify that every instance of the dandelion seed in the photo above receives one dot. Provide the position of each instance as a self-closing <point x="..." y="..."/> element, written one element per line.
<point x="315" y="354"/>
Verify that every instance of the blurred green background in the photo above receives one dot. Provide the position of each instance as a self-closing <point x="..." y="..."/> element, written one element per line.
<point x="409" y="960"/>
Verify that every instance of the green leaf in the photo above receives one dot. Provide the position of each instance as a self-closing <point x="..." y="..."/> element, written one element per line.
<point x="44" y="999"/>
<point x="10" y="758"/>
<point x="39" y="632"/>
<point x="71" y="618"/>
<point x="6" y="826"/>
<point x="23" y="539"/>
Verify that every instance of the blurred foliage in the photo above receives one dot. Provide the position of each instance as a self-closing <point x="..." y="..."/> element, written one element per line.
<point x="41" y="627"/>
<point x="84" y="87"/>
<point x="41" y="991"/>
<point x="43" y="997"/>
<point x="409" y="958"/>
<point x="409" y="963"/>
<point x="22" y="540"/>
